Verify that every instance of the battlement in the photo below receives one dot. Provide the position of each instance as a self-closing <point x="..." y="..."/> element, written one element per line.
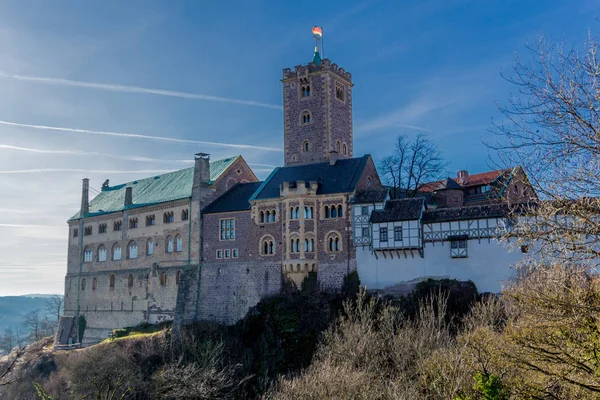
<point x="313" y="68"/>
<point x="298" y="187"/>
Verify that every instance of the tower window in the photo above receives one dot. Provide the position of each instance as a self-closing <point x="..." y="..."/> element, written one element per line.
<point x="306" y="146"/>
<point x="338" y="146"/>
<point x="305" y="118"/>
<point x="339" y="92"/>
<point x="305" y="90"/>
<point x="345" y="149"/>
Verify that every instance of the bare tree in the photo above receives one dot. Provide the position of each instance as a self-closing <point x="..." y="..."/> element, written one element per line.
<point x="552" y="129"/>
<point x="412" y="164"/>
<point x="8" y="340"/>
<point x="54" y="306"/>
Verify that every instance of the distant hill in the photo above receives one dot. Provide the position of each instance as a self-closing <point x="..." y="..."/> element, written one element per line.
<point x="13" y="308"/>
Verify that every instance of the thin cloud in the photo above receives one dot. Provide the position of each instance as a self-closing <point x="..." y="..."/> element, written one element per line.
<point x="25" y="226"/>
<point x="136" y="89"/>
<point x="416" y="128"/>
<point x="91" y="171"/>
<point x="90" y="153"/>
<point x="138" y="136"/>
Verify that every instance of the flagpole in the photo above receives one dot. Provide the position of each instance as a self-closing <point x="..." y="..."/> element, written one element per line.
<point x="322" y="43"/>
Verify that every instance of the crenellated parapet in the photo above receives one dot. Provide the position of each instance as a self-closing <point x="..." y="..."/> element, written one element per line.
<point x="312" y="68"/>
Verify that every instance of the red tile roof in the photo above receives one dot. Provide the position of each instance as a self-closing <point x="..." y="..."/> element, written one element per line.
<point x="484" y="178"/>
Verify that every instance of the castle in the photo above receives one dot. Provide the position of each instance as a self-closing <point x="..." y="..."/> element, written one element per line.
<point x="209" y="242"/>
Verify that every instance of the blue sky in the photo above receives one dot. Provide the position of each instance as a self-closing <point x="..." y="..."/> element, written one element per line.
<point x="200" y="71"/>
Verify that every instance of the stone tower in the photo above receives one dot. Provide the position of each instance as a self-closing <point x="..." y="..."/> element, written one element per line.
<point x="317" y="104"/>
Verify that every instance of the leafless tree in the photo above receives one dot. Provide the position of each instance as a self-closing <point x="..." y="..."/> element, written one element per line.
<point x="551" y="127"/>
<point x="54" y="306"/>
<point x="7" y="340"/>
<point x="37" y="326"/>
<point x="412" y="164"/>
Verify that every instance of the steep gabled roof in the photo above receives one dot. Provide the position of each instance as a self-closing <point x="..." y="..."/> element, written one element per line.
<point x="448" y="183"/>
<point x="370" y="196"/>
<point x="399" y="210"/>
<point x="484" y="178"/>
<point x="235" y="199"/>
<point x="339" y="178"/>
<point x="171" y="186"/>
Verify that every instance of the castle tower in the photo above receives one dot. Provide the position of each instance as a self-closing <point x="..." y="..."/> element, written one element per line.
<point x="317" y="104"/>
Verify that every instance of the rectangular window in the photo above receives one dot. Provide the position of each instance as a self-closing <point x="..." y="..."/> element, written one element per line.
<point x="366" y="232"/>
<point x="133" y="223"/>
<point x="234" y="253"/>
<point x="102" y="228"/>
<point x="383" y="237"/>
<point x="458" y="248"/>
<point x="227" y="253"/>
<point x="87" y="231"/>
<point x="150" y="220"/>
<point x="75" y="232"/>
<point x="398" y="233"/>
<point x="117" y="226"/>
<point x="219" y="254"/>
<point x="227" y="229"/>
<point x="364" y="210"/>
<point x="87" y="255"/>
<point x="485" y="189"/>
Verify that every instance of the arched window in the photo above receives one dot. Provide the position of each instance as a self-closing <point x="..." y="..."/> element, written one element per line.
<point x="327" y="212"/>
<point x="291" y="212"/>
<point x="334" y="242"/>
<point x="178" y="278"/>
<point x="83" y="284"/>
<point x="273" y="214"/>
<point x="268" y="216"/>
<point x="132" y="250"/>
<point x="94" y="283"/>
<point x="344" y="149"/>
<point x="306" y="146"/>
<point x="305" y="91"/>
<point x="178" y="243"/>
<point x="337" y="146"/>
<point x="150" y="247"/>
<point x="88" y="254"/>
<point x="130" y="281"/>
<point x="116" y="251"/>
<point x="184" y="215"/>
<point x="309" y="244"/>
<point x="267" y="246"/>
<point x="101" y="253"/>
<point x="168" y="217"/>
<point x="333" y="212"/>
<point x="339" y="211"/>
<point x="163" y="279"/>
<point x="305" y="118"/>
<point x="169" y="247"/>
<point x="111" y="282"/>
<point x="308" y="212"/>
<point x="262" y="216"/>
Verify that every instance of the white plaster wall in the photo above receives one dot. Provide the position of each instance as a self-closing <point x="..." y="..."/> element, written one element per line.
<point x="488" y="265"/>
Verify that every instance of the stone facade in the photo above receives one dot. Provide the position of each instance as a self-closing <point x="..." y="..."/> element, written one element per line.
<point x="317" y="103"/>
<point x="195" y="270"/>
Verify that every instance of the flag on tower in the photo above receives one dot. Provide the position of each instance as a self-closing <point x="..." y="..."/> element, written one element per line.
<point x="317" y="32"/>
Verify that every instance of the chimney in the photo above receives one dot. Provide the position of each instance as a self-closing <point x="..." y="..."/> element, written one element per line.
<point x="85" y="198"/>
<point x="462" y="177"/>
<point x="128" y="196"/>
<point x="202" y="169"/>
<point x="333" y="157"/>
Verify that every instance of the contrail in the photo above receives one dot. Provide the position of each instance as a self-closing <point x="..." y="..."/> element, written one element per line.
<point x="137" y="89"/>
<point x="138" y="136"/>
<point x="91" y="153"/>
<point x="108" y="155"/>
<point x="91" y="171"/>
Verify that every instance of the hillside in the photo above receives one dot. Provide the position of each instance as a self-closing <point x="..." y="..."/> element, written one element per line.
<point x="13" y="308"/>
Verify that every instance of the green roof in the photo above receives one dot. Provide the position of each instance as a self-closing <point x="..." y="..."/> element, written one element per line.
<point x="158" y="189"/>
